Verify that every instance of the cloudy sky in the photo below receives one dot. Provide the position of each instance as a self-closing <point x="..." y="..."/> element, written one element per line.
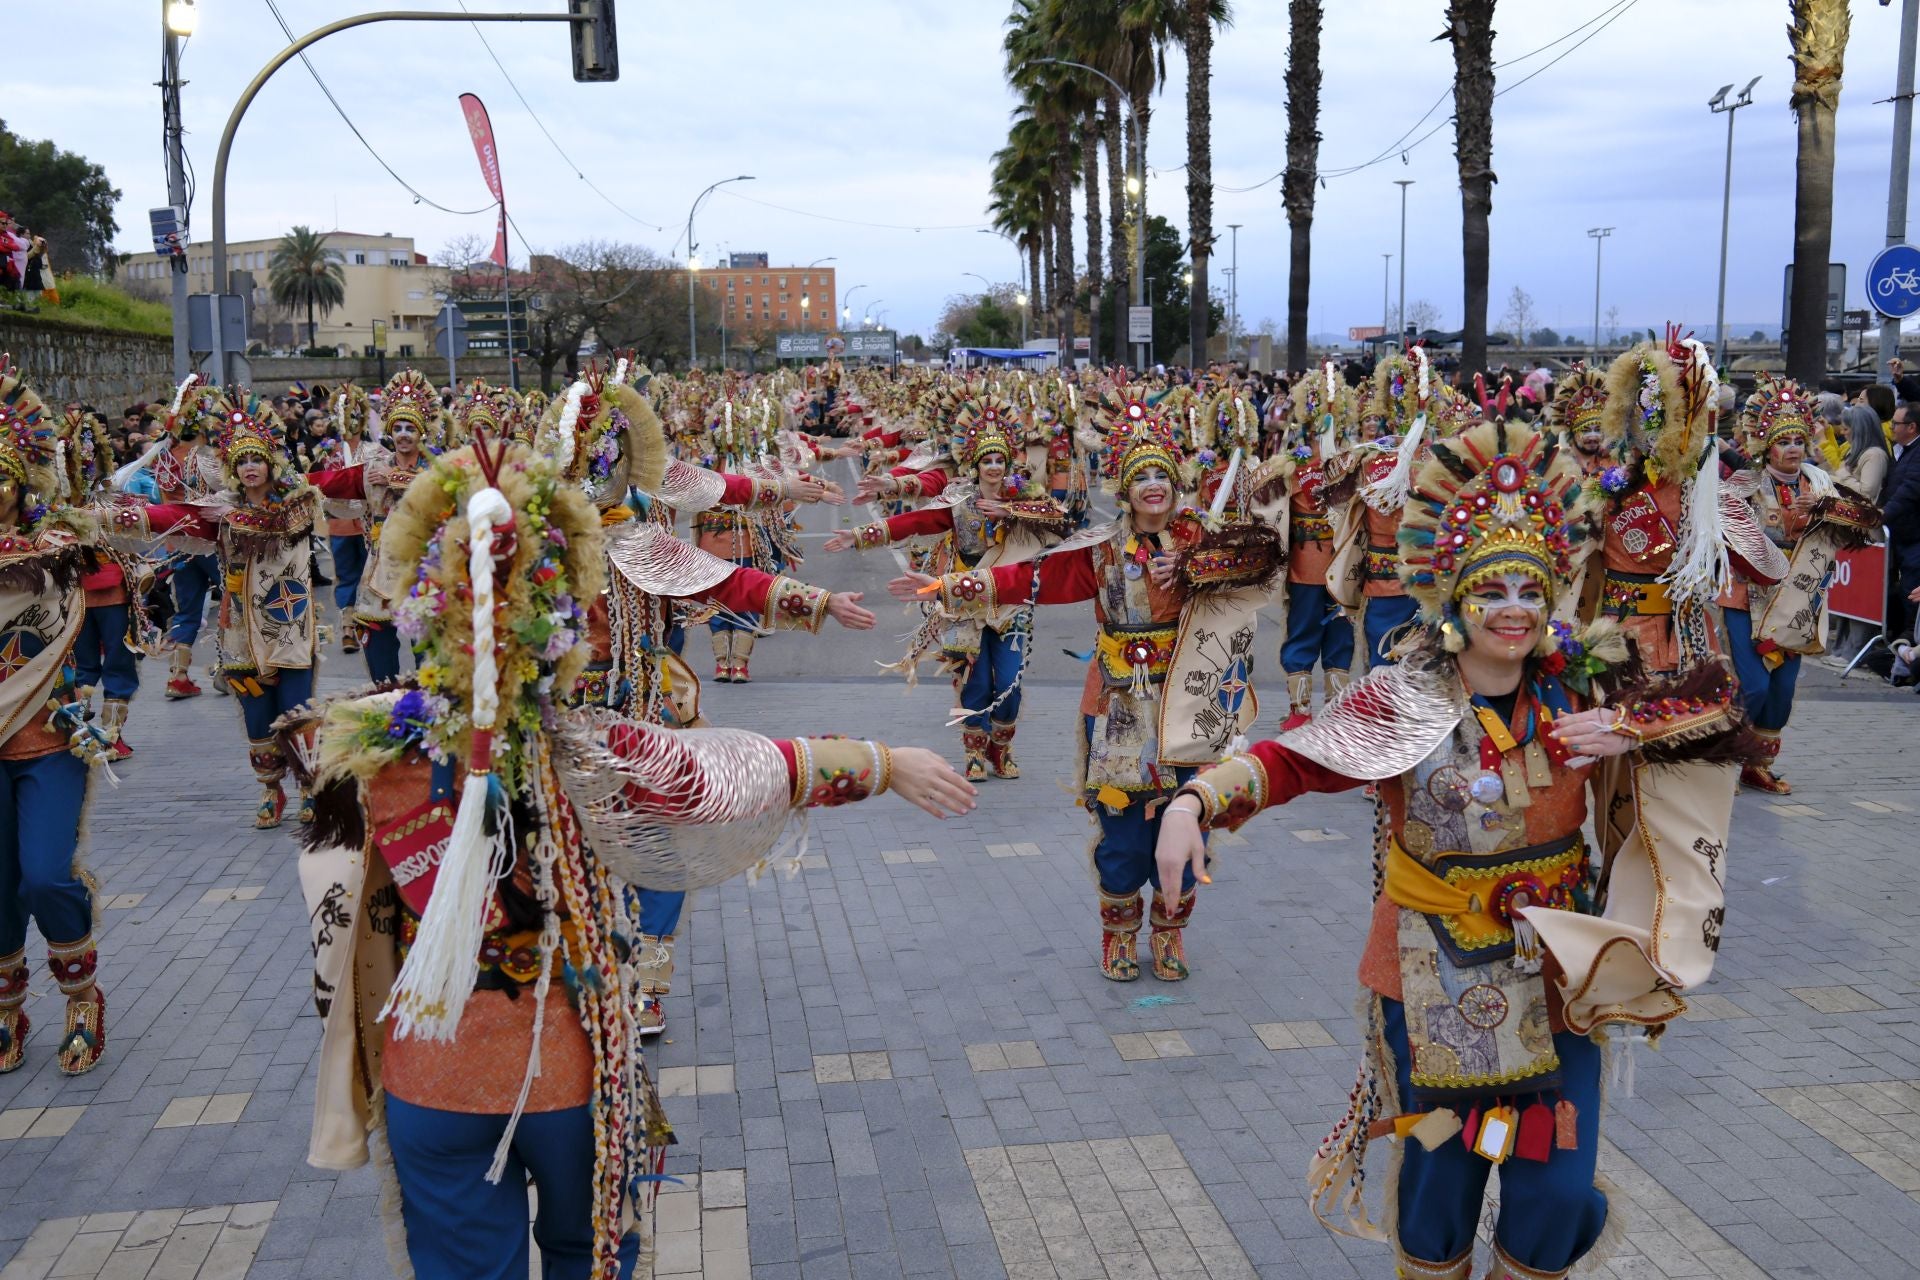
<point x="886" y="112"/>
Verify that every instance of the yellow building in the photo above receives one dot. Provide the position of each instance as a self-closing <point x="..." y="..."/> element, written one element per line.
<point x="386" y="280"/>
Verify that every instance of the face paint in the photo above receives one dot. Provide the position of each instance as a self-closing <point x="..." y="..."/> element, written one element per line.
<point x="1504" y="614"/>
<point x="1151" y="489"/>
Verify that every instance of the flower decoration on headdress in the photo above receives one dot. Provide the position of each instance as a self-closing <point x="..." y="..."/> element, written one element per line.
<point x="85" y="453"/>
<point x="1778" y="411"/>
<point x="1500" y="499"/>
<point x="27" y="436"/>
<point x="1659" y="406"/>
<point x="1137" y="438"/>
<point x="197" y="406"/>
<point x="1579" y="401"/>
<point x="249" y="429"/>
<point x="349" y="408"/>
<point x="410" y="397"/>
<point x="605" y="437"/>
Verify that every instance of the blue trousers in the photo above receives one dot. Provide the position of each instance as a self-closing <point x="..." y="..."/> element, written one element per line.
<point x="462" y="1227"/>
<point x="291" y="687"/>
<point x="1316" y="630"/>
<point x="101" y="658"/>
<point x="381" y="644"/>
<point x="349" y="562"/>
<point x="40" y="803"/>
<point x="1768" y="694"/>
<point x="193" y="577"/>
<point x="660" y="911"/>
<point x="1384" y="613"/>
<point x="1123" y="858"/>
<point x="1550" y="1213"/>
<point x="992" y="672"/>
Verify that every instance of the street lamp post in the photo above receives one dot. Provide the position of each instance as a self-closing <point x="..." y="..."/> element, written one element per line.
<point x="1599" y="235"/>
<point x="1233" y="292"/>
<point x="806" y="300"/>
<point x="1400" y="334"/>
<point x="1719" y="105"/>
<point x="1136" y="187"/>
<point x="846" y="311"/>
<point x="693" y="264"/>
<point x="1022" y="299"/>
<point x="177" y="18"/>
<point x="1386" y="311"/>
<point x="1898" y="172"/>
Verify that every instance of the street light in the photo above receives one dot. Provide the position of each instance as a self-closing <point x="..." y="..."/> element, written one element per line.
<point x="846" y="311"/>
<point x="1599" y="235"/>
<point x="1719" y="105"/>
<point x="1386" y="312"/>
<point x="1021" y="298"/>
<point x="693" y="264"/>
<point x="817" y="261"/>
<point x="1135" y="188"/>
<point x="183" y="17"/>
<point x="872" y="310"/>
<point x="805" y="301"/>
<point x="1233" y="292"/>
<point x="1403" y="183"/>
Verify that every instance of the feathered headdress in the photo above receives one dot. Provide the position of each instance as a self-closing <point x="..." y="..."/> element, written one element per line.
<point x="28" y="441"/>
<point x="981" y="428"/>
<point x="1579" y="401"/>
<point x="349" y="408"/>
<point x="196" y="407"/>
<point x="1777" y="409"/>
<point x="1659" y="405"/>
<point x="249" y="429"/>
<point x="85" y="454"/>
<point x="1499" y="499"/>
<point x="1137" y="438"/>
<point x="410" y="397"/>
<point x="490" y="412"/>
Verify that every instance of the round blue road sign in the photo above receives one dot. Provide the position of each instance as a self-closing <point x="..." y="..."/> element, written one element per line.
<point x="1893" y="281"/>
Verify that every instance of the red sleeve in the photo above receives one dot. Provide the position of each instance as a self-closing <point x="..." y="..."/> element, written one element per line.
<point x="1290" y="774"/>
<point x="178" y="517"/>
<point x="927" y="484"/>
<point x="626" y="741"/>
<point x="738" y="491"/>
<point x="743" y="591"/>
<point x="342" y="482"/>
<point x="925" y="522"/>
<point x="1065" y="578"/>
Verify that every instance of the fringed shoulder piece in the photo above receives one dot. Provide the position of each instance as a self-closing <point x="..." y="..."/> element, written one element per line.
<point x="1387" y="723"/>
<point x="1237" y="557"/>
<point x="652" y="558"/>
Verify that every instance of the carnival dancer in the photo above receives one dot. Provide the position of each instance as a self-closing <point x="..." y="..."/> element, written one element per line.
<point x="1577" y="411"/>
<point x="1675" y="517"/>
<point x="45" y="744"/>
<point x="1366" y="490"/>
<point x="979" y="527"/>
<point x="1318" y="631"/>
<point x="1496" y="961"/>
<point x="507" y="1053"/>
<point x="748" y="538"/>
<point x="414" y="426"/>
<point x="113" y="632"/>
<point x="1772" y="625"/>
<point x="262" y="524"/>
<point x="186" y="468"/>
<point x="349" y="410"/>
<point x="1177" y="605"/>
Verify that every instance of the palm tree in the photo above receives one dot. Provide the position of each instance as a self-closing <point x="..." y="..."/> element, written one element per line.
<point x="1197" y="30"/>
<point x="1016" y="209"/>
<point x="304" y="272"/>
<point x="1819" y="36"/>
<point x="1052" y="97"/>
<point x="1303" y="163"/>
<point x="1091" y="137"/>
<point x="1470" y="28"/>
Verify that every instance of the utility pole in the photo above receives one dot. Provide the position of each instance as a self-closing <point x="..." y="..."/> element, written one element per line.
<point x="172" y="19"/>
<point x="1386" y="308"/>
<point x="1897" y="174"/>
<point x="1400" y="335"/>
<point x="1233" y="292"/>
<point x="1719" y="105"/>
<point x="1599" y="235"/>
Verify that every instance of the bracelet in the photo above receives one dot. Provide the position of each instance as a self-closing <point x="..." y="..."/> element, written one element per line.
<point x="802" y="771"/>
<point x="884" y="769"/>
<point x="1198" y="795"/>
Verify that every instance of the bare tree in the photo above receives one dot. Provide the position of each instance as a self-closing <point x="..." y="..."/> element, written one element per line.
<point x="1520" y="320"/>
<point x="1423" y="315"/>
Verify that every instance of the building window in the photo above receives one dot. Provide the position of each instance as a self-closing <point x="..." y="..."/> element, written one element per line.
<point x="783" y="317"/>
<point x="359" y="259"/>
<point x="730" y="284"/>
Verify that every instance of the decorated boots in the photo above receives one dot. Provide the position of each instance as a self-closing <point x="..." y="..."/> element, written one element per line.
<point x="1761" y="777"/>
<point x="13" y="1011"/>
<point x="1000" y="750"/>
<point x="74" y="967"/>
<point x="1167" y="941"/>
<point x="113" y="719"/>
<point x="180" y="674"/>
<point x="742" y="650"/>
<point x="270" y="767"/>
<point x="1299" y="700"/>
<point x="723" y="656"/>
<point x="653" y="967"/>
<point x="976" y="744"/>
<point x="1119" y="936"/>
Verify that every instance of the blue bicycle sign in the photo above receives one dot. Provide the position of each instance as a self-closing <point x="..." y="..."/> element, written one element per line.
<point x="1893" y="281"/>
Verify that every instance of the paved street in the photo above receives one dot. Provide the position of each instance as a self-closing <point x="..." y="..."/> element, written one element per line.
<point x="901" y="1060"/>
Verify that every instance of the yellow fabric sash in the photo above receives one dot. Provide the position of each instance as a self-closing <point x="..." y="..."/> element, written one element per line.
<point x="1465" y="899"/>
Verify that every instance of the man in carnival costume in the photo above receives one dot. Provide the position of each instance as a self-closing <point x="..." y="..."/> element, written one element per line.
<point x="1168" y="690"/>
<point x="116" y="625"/>
<point x="349" y="411"/>
<point x="186" y="468"/>
<point x="1498" y="956"/>
<point x="979" y="526"/>
<point x="466" y="858"/>
<point x="1576" y="411"/>
<point x="45" y="744"/>
<point x="605" y="438"/>
<point x="261" y="523"/>
<point x="1771" y="625"/>
<point x="415" y="427"/>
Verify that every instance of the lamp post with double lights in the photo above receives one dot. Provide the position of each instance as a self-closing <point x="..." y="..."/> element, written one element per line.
<point x="1233" y="292"/>
<point x="1403" y="184"/>
<point x="1599" y="235"/>
<point x="1719" y="105"/>
<point x="693" y="265"/>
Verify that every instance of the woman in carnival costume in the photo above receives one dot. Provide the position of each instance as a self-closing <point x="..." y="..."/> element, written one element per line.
<point x="262" y="524"/>
<point x="1577" y="411"/>
<point x="350" y="411"/>
<point x="415" y="427"/>
<point x="116" y="627"/>
<point x="1810" y="519"/>
<point x="486" y="1076"/>
<point x="1498" y="955"/>
<point x="46" y="746"/>
<point x="605" y="438"/>
<point x="989" y="523"/>
<point x="1674" y="517"/>
<point x="1168" y="690"/>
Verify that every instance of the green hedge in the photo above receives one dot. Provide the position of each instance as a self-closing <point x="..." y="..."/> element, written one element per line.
<point x="87" y="303"/>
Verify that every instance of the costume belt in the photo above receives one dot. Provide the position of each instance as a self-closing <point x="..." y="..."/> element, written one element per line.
<point x="1312" y="528"/>
<point x="1382" y="563"/>
<point x="1136" y="655"/>
<point x="1469" y="896"/>
<point x="1633" y="594"/>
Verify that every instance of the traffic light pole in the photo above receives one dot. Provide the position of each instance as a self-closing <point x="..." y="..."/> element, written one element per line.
<point x="221" y="368"/>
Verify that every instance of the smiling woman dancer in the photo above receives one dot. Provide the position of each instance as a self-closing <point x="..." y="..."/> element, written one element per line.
<point x="1498" y="954"/>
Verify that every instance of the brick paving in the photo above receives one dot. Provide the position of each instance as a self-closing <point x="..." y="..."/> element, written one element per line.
<point x="909" y="1065"/>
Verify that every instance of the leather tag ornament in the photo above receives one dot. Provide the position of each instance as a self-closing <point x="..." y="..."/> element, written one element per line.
<point x="1536" y="1134"/>
<point x="1566" y="1126"/>
<point x="1436" y="1127"/>
<point x="1497" y="1131"/>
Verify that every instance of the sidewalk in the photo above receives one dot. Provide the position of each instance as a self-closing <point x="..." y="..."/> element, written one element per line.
<point x="901" y="1060"/>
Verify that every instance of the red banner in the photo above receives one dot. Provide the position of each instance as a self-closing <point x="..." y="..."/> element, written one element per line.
<point x="1859" y="585"/>
<point x="481" y="128"/>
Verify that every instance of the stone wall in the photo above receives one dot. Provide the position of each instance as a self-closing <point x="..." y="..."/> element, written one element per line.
<point x="102" y="367"/>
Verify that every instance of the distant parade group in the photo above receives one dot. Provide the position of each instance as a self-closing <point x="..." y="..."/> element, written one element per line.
<point x="1519" y="625"/>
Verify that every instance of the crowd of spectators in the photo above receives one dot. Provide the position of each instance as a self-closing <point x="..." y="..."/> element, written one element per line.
<point x="26" y="275"/>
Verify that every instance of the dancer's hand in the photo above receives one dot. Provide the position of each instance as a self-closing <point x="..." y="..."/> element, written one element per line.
<point x="923" y="778"/>
<point x="871" y="487"/>
<point x="804" y="488"/>
<point x="1180" y="845"/>
<point x="909" y="587"/>
<point x="844" y="608"/>
<point x="992" y="508"/>
<point x="1590" y="736"/>
<point x="1162" y="569"/>
<point x="842" y="540"/>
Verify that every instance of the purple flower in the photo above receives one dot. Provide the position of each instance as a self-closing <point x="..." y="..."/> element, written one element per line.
<point x="409" y="715"/>
<point x="1615" y="480"/>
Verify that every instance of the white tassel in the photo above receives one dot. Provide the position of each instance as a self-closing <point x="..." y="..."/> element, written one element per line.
<point x="1700" y="570"/>
<point x="431" y="992"/>
<point x="1623" y="1042"/>
<point x="569" y="419"/>
<point x="180" y="394"/>
<point x="1226" y="488"/>
<point x="124" y="476"/>
<point x="550" y="942"/>
<point x="620" y="372"/>
<point x="1389" y="492"/>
